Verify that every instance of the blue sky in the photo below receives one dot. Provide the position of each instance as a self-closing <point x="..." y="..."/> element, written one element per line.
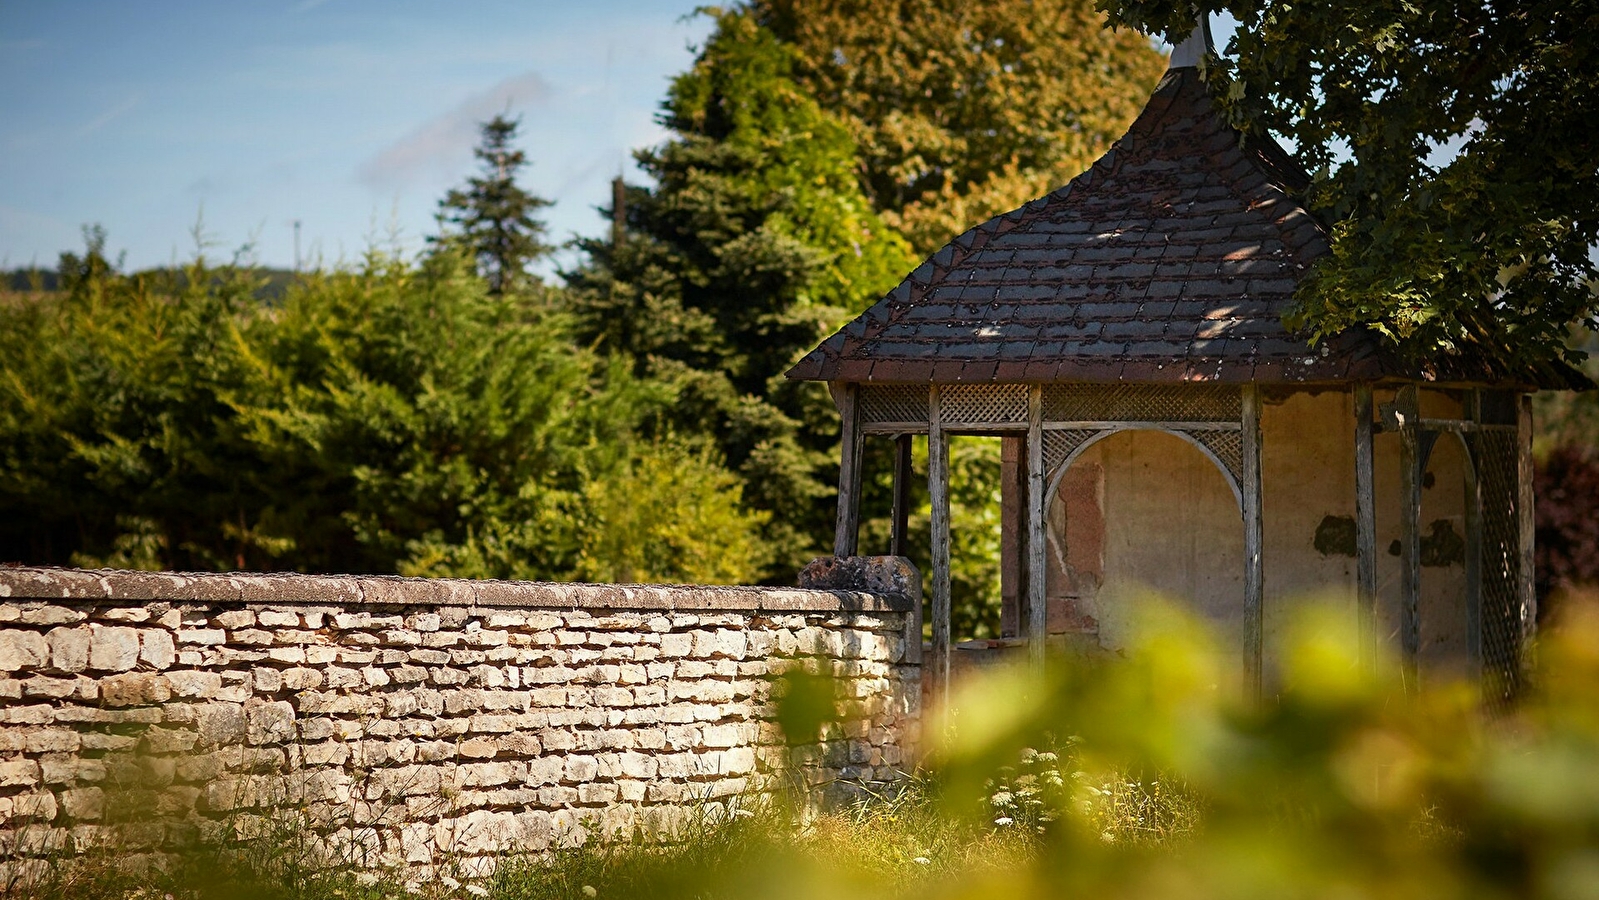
<point x="352" y="116"/>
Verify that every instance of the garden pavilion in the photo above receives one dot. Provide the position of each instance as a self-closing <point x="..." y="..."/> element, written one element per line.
<point x="1124" y="338"/>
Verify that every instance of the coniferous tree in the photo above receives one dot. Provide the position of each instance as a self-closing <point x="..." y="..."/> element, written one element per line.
<point x="493" y="215"/>
<point x="754" y="244"/>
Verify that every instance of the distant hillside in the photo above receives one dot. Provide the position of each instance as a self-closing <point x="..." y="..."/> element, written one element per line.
<point x="276" y="282"/>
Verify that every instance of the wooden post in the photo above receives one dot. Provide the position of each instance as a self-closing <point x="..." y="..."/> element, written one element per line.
<point x="938" y="491"/>
<point x="1365" y="526"/>
<point x="1525" y="590"/>
<point x="849" y="474"/>
<point x="1409" y="530"/>
<point x="902" y="495"/>
<point x="1473" y="557"/>
<point x="1254" y="571"/>
<point x="1037" y="605"/>
<point x="618" y="212"/>
<point x="1013" y="535"/>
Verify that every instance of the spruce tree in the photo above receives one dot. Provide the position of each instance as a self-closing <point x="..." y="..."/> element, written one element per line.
<point x="754" y="244"/>
<point x="493" y="215"/>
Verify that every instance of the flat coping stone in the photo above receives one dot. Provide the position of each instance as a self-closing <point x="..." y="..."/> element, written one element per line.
<point x="123" y="586"/>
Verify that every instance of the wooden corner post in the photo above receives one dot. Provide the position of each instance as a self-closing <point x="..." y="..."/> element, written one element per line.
<point x="1406" y="410"/>
<point x="902" y="496"/>
<point x="1365" y="526"/>
<point x="1526" y="592"/>
<point x="938" y="492"/>
<point x="1254" y="570"/>
<point x="1037" y="604"/>
<point x="849" y="472"/>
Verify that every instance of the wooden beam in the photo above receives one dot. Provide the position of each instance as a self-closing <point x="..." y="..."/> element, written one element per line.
<point x="938" y="491"/>
<point x="1474" y="559"/>
<point x="1013" y="535"/>
<point x="849" y="473"/>
<point x="1365" y="526"/>
<point x="902" y="496"/>
<point x="1525" y="589"/>
<point x="1037" y="604"/>
<point x="1254" y="571"/>
<point x="1409" y="530"/>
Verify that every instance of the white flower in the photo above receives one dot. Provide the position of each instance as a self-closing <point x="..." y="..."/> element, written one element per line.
<point x="589" y="891"/>
<point x="477" y="890"/>
<point x="1004" y="820"/>
<point x="923" y="860"/>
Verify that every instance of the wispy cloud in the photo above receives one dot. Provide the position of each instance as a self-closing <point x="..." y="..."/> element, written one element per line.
<point x="441" y="142"/>
<point x="110" y="115"/>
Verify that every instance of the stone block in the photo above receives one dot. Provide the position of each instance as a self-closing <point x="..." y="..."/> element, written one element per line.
<point x="83" y="804"/>
<point x="221" y="723"/>
<point x="278" y="618"/>
<point x="19" y="773"/>
<point x="156" y="648"/>
<point x="69" y="649"/>
<point x="674" y="646"/>
<point x="197" y="685"/>
<point x="23" y="650"/>
<point x="580" y="769"/>
<point x="134" y="689"/>
<point x="205" y="637"/>
<point x="49" y="688"/>
<point x="639" y="765"/>
<point x="479" y="748"/>
<point x="234" y="618"/>
<point x="51" y="615"/>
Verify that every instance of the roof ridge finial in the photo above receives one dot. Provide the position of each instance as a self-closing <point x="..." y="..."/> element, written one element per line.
<point x="1194" y="47"/>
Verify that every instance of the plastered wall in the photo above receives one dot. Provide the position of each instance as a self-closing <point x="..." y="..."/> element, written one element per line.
<point x="1144" y="510"/>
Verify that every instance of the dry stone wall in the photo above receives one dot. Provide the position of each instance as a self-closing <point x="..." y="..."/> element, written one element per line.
<point x="423" y="722"/>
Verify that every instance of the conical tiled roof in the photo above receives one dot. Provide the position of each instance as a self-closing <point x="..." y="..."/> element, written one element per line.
<point x="1173" y="258"/>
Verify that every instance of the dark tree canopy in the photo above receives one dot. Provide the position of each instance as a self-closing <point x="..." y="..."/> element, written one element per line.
<point x="1453" y="152"/>
<point x="493" y="216"/>
<point x="965" y="110"/>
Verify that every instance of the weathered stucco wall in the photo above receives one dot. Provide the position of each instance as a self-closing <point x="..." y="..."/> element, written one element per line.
<point x="1168" y="523"/>
<point x="422" y="721"/>
<point x="1144" y="510"/>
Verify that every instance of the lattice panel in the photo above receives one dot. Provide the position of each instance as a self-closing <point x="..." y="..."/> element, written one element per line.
<point x="1502" y="612"/>
<point x="1228" y="447"/>
<point x="892" y="403"/>
<point x="1060" y="444"/>
<point x="1141" y="403"/>
<point x="979" y="404"/>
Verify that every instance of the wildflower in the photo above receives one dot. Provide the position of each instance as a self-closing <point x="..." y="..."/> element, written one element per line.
<point x="923" y="860"/>
<point x="477" y="890"/>
<point x="1004" y="820"/>
<point x="589" y="891"/>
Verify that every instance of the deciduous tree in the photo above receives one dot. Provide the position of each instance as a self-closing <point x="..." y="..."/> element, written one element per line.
<point x="965" y="110"/>
<point x="1455" y="154"/>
